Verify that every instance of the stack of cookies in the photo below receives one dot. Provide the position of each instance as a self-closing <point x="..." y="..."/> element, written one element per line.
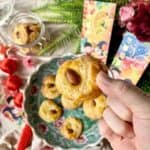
<point x="75" y="81"/>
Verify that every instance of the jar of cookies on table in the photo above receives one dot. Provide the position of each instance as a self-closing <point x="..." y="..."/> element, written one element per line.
<point x="26" y="31"/>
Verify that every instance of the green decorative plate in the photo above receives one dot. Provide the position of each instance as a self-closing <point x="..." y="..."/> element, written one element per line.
<point x="50" y="131"/>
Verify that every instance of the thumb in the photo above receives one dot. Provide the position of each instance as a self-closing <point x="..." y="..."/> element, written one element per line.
<point x="128" y="94"/>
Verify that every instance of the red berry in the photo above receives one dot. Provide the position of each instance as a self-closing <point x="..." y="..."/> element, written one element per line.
<point x="25" y="139"/>
<point x="8" y="65"/>
<point x="13" y="82"/>
<point x="18" y="99"/>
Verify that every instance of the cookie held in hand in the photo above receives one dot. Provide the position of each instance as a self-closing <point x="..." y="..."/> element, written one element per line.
<point x="76" y="78"/>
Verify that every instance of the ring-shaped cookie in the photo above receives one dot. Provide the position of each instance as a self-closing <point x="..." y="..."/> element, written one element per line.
<point x="49" y="111"/>
<point x="48" y="88"/>
<point x="94" y="109"/>
<point x="71" y="128"/>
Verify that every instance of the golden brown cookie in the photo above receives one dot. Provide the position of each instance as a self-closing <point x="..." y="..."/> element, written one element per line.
<point x="70" y="103"/>
<point x="33" y="36"/>
<point x="94" y="108"/>
<point x="71" y="128"/>
<point x="34" y="27"/>
<point x="76" y="79"/>
<point x="25" y="33"/>
<point x="48" y="88"/>
<point x="49" y="111"/>
<point x="20" y="34"/>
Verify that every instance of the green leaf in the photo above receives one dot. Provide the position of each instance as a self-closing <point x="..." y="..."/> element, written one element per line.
<point x="63" y="39"/>
<point x="64" y="13"/>
<point x="76" y="45"/>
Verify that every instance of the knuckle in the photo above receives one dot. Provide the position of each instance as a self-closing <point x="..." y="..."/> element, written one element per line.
<point x="123" y="87"/>
<point x="127" y="116"/>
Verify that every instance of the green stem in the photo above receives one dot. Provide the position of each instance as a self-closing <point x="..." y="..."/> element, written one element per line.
<point x="61" y="40"/>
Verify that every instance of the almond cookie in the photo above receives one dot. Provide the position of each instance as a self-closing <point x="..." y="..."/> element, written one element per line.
<point x="70" y="103"/>
<point x="49" y="111"/>
<point x="94" y="109"/>
<point x="48" y="88"/>
<point x="76" y="79"/>
<point x="71" y="128"/>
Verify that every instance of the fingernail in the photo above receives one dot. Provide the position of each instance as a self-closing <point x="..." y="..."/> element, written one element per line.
<point x="103" y="79"/>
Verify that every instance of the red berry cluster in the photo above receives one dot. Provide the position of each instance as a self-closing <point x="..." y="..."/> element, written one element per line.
<point x="13" y="82"/>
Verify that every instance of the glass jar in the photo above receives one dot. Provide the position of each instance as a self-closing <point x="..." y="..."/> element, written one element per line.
<point x="20" y="34"/>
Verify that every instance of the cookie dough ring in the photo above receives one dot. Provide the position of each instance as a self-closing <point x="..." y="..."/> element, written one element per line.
<point x="83" y="72"/>
<point x="70" y="103"/>
<point x="94" y="109"/>
<point x="71" y="128"/>
<point x="49" y="111"/>
<point x="48" y="88"/>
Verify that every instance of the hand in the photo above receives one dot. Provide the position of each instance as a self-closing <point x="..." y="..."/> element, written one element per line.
<point x="126" y="120"/>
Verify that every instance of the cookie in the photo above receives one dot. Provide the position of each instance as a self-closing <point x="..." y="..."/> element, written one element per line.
<point x="25" y="33"/>
<point x="33" y="36"/>
<point x="71" y="128"/>
<point x="70" y="103"/>
<point x="49" y="111"/>
<point x="94" y="108"/>
<point x="48" y="88"/>
<point x="76" y="79"/>
<point x="20" y="34"/>
<point x="34" y="27"/>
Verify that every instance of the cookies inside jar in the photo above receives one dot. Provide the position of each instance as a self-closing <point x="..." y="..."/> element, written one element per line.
<point x="26" y="31"/>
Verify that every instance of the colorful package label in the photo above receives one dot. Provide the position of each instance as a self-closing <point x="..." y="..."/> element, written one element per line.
<point x="131" y="60"/>
<point x="98" y="18"/>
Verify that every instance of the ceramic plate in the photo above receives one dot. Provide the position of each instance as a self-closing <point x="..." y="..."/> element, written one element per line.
<point x="50" y="131"/>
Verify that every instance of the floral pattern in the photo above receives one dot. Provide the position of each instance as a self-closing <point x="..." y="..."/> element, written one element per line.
<point x="135" y="17"/>
<point x="98" y="18"/>
<point x="131" y="59"/>
<point x="34" y="89"/>
<point x="42" y="128"/>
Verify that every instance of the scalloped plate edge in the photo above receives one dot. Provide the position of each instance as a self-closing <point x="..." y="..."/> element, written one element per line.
<point x="26" y="116"/>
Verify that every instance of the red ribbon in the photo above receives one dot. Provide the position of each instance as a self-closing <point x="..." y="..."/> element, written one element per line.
<point x="8" y="65"/>
<point x="13" y="82"/>
<point x="26" y="138"/>
<point x="18" y="99"/>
